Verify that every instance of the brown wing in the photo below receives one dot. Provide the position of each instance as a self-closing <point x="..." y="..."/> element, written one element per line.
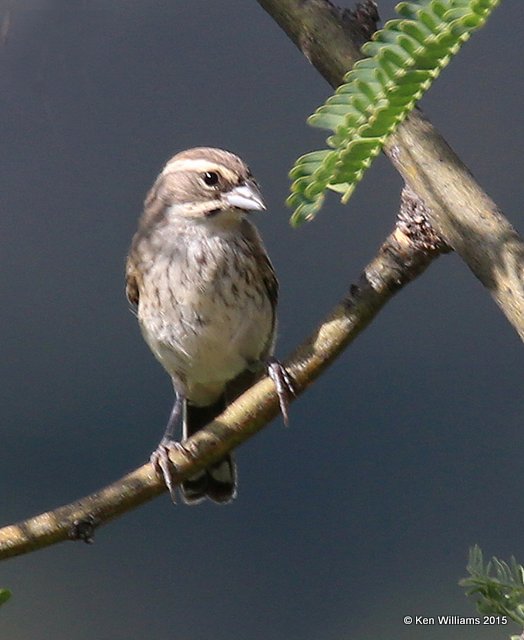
<point x="269" y="278"/>
<point x="268" y="273"/>
<point x="249" y="376"/>
<point x="131" y="281"/>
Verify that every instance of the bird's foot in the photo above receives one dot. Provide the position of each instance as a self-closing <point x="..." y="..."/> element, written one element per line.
<point x="284" y="385"/>
<point x="164" y="467"/>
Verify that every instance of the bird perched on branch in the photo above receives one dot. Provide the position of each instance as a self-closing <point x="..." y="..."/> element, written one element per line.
<point x="206" y="297"/>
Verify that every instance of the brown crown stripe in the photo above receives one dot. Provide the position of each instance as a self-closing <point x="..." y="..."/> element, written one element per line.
<point x="200" y="166"/>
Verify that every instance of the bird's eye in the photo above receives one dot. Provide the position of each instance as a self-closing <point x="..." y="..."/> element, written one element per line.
<point x="210" y="178"/>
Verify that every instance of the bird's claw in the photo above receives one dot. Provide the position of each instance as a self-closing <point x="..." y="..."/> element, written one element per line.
<point x="164" y="466"/>
<point x="284" y="385"/>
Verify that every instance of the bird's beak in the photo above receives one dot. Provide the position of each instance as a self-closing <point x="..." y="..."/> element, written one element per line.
<point x="246" y="196"/>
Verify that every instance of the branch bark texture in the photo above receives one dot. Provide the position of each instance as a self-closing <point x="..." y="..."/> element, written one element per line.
<point x="459" y="210"/>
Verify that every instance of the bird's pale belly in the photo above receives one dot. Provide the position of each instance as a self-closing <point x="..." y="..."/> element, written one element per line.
<point x="203" y="342"/>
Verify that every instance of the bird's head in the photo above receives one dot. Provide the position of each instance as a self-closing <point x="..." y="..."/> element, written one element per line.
<point x="204" y="183"/>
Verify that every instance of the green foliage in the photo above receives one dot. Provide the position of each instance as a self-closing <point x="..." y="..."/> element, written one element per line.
<point x="378" y="93"/>
<point x="498" y="586"/>
<point x="5" y="594"/>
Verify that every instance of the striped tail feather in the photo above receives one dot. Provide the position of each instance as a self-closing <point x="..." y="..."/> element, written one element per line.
<point x="217" y="482"/>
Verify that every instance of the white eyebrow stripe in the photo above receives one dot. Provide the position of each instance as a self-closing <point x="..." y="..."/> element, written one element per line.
<point x="200" y="165"/>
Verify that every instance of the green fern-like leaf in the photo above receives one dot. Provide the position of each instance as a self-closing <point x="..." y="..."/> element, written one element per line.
<point x="497" y="586"/>
<point x="378" y="93"/>
<point x="5" y="594"/>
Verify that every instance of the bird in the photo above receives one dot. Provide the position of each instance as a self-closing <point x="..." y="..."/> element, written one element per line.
<point x="205" y="294"/>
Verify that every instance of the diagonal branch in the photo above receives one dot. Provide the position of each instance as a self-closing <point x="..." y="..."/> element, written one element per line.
<point x="458" y="209"/>
<point x="405" y="254"/>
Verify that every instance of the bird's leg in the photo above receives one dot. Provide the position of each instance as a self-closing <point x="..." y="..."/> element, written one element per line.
<point x="160" y="457"/>
<point x="284" y="385"/>
<point x="169" y="434"/>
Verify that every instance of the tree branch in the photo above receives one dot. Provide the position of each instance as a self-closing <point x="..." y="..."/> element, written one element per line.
<point x="405" y="254"/>
<point x="461" y="213"/>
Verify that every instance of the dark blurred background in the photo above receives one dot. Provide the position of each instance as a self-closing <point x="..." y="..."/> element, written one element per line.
<point x="400" y="457"/>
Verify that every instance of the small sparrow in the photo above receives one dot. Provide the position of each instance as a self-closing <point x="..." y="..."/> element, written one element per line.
<point x="206" y="297"/>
